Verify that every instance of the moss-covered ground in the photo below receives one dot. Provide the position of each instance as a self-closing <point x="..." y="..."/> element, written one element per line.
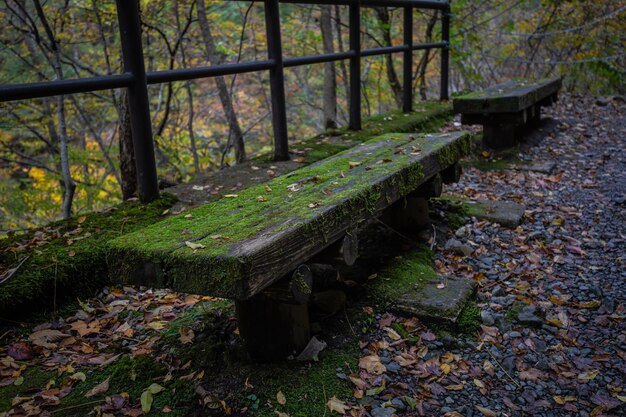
<point x="404" y="274"/>
<point x="66" y="259"/>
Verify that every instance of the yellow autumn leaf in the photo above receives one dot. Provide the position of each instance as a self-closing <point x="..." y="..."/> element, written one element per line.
<point x="280" y="397"/>
<point x="337" y="406"/>
<point x="588" y="376"/>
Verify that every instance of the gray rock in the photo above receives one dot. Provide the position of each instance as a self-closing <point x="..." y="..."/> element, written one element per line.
<point x="382" y="411"/>
<point x="487" y="318"/>
<point x="458" y="247"/>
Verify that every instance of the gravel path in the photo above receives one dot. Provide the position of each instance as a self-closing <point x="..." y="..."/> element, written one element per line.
<point x="552" y="292"/>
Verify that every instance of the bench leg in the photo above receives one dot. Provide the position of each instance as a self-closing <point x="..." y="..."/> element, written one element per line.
<point x="272" y="330"/>
<point x="500" y="136"/>
<point x="410" y="214"/>
<point x="535" y="116"/>
<point x="275" y="323"/>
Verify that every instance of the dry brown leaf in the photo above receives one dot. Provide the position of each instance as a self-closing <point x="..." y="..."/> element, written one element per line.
<point x="588" y="376"/>
<point x="336" y="405"/>
<point x="186" y="335"/>
<point x="485" y="411"/>
<point x="47" y="338"/>
<point x="280" y="397"/>
<point x="101" y="388"/>
<point x="372" y="364"/>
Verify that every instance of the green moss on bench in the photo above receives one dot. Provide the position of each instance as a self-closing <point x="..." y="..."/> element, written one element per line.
<point x="328" y="191"/>
<point x="428" y="116"/>
<point x="56" y="271"/>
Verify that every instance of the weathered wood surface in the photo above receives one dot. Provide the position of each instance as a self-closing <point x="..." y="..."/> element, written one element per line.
<point x="239" y="245"/>
<point x="509" y="97"/>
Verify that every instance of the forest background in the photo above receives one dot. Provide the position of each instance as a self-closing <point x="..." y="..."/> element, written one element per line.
<point x="69" y="155"/>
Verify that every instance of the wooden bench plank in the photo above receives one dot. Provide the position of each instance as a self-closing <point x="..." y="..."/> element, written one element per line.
<point x="241" y="244"/>
<point x="509" y="97"/>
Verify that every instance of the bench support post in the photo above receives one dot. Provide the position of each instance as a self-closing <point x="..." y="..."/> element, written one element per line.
<point x="275" y="323"/>
<point x="496" y="136"/>
<point x="272" y="330"/>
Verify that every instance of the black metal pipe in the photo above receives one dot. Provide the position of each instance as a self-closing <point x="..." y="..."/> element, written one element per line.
<point x="407" y="65"/>
<point x="445" y="53"/>
<point x="431" y="45"/>
<point x="132" y="53"/>
<point x="384" y="50"/>
<point x="421" y="4"/>
<point x="355" y="65"/>
<point x="317" y="59"/>
<point x="167" y="76"/>
<point x="13" y="92"/>
<point x="277" y="81"/>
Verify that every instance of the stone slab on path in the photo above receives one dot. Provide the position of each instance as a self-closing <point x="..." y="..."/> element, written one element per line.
<point x="440" y="298"/>
<point x="505" y="213"/>
<point x="542" y="167"/>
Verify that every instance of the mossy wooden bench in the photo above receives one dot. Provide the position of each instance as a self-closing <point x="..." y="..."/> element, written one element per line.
<point x="247" y="246"/>
<point x="504" y="108"/>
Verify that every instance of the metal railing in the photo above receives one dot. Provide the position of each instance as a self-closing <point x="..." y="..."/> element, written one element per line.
<point x="135" y="79"/>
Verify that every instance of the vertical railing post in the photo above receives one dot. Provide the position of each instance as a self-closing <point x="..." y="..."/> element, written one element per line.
<point x="407" y="100"/>
<point x="139" y="106"/>
<point x="277" y="80"/>
<point x="355" y="64"/>
<point x="445" y="52"/>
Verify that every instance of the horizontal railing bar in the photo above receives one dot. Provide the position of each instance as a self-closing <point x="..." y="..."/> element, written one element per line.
<point x="431" y="45"/>
<point x="156" y="77"/>
<point x="420" y="4"/>
<point x="384" y="50"/>
<point x="12" y="92"/>
<point x="401" y="48"/>
<point x="53" y="88"/>
<point x="317" y="59"/>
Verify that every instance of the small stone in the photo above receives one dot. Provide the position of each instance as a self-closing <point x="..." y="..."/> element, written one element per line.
<point x="383" y="411"/>
<point x="487" y="318"/>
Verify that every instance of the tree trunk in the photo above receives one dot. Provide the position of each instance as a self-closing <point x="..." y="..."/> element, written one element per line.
<point x="384" y="23"/>
<point x="330" y="77"/>
<point x="421" y="67"/>
<point x="128" y="169"/>
<point x="235" y="134"/>
<point x="68" y="183"/>
<point x="342" y="63"/>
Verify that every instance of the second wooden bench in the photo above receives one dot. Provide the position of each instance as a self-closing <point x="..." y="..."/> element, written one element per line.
<point x="504" y="108"/>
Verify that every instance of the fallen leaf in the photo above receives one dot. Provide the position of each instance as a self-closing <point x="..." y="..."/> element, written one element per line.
<point x="155" y="388"/>
<point x="194" y="245"/>
<point x="186" y="335"/>
<point x="231" y="195"/>
<point x="393" y="335"/>
<point x="99" y="389"/>
<point x="485" y="411"/>
<point x="280" y="397"/>
<point x="353" y="164"/>
<point x="146" y="401"/>
<point x="336" y="405"/>
<point x="372" y="364"/>
<point x="47" y="338"/>
<point x="20" y="351"/>
<point x="588" y="376"/>
<point x="299" y="159"/>
<point x="78" y="376"/>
